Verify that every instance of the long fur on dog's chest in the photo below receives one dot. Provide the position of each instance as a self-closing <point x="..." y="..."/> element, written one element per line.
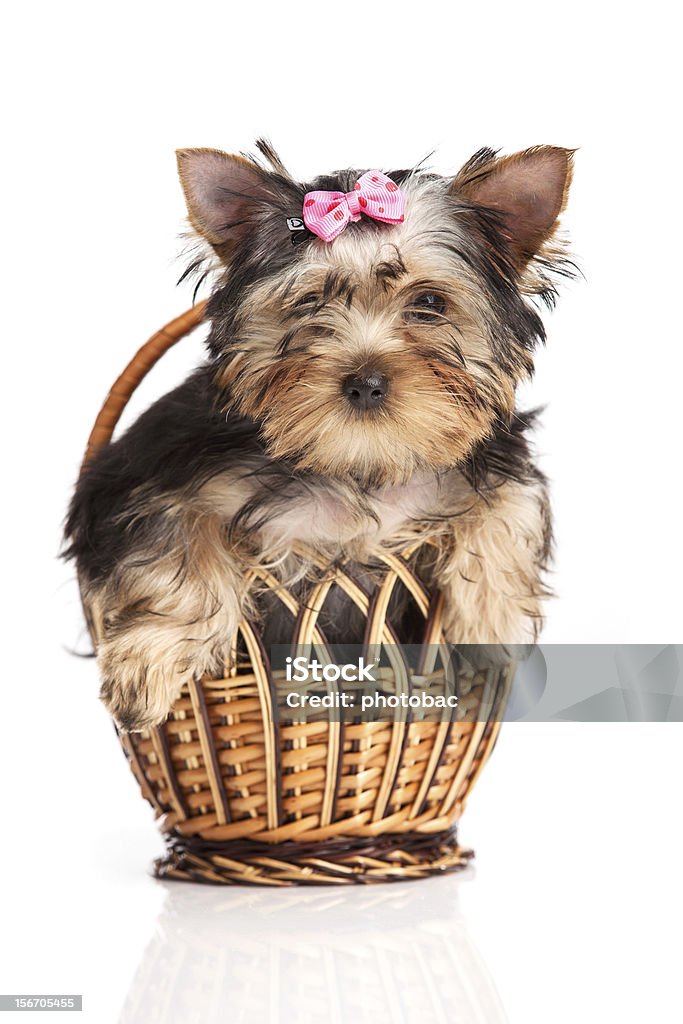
<point x="332" y="518"/>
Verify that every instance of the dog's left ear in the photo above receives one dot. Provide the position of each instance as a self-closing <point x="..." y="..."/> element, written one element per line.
<point x="529" y="190"/>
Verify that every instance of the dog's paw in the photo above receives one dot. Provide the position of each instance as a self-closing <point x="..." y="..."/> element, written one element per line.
<point x="136" y="693"/>
<point x="143" y="670"/>
<point x="145" y="661"/>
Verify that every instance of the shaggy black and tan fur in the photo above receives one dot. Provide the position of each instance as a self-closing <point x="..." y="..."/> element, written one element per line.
<point x="262" y="452"/>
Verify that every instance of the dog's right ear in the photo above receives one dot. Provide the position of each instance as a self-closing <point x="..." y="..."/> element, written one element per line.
<point x="224" y="194"/>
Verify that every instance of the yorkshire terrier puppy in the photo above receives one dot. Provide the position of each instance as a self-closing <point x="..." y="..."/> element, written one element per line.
<point x="367" y="334"/>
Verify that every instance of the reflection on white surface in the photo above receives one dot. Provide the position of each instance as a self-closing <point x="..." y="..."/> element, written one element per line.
<point x="395" y="953"/>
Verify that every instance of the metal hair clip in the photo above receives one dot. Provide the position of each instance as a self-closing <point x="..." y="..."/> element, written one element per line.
<point x="298" y="229"/>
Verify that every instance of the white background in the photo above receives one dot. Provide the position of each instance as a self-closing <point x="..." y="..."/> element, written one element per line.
<point x="575" y="904"/>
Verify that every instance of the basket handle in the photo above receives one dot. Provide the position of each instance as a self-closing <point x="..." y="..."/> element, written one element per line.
<point x="137" y="369"/>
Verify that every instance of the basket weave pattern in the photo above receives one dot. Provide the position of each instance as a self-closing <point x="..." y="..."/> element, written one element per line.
<point x="245" y="797"/>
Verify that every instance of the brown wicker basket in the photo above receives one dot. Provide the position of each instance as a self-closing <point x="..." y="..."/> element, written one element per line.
<point x="244" y="796"/>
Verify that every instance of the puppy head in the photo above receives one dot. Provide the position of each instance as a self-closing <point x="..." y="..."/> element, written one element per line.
<point x="392" y="348"/>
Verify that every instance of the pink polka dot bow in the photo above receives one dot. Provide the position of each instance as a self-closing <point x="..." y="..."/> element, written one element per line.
<point x="326" y="214"/>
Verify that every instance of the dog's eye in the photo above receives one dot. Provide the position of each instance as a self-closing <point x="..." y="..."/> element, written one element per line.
<point x="425" y="308"/>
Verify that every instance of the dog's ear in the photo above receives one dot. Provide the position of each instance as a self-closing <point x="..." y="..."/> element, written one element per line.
<point x="223" y="193"/>
<point x="529" y="190"/>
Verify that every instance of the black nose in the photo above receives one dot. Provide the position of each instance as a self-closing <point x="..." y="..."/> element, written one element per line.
<point x="366" y="390"/>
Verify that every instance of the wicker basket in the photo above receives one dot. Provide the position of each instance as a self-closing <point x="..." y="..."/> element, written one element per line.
<point x="244" y="796"/>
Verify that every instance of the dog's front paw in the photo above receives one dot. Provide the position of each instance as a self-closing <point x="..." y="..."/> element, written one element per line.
<point x="136" y="692"/>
